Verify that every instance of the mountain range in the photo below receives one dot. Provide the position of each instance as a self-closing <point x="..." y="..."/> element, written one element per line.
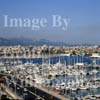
<point x="34" y="42"/>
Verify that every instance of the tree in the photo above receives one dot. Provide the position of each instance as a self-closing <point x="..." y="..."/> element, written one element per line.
<point x="74" y="53"/>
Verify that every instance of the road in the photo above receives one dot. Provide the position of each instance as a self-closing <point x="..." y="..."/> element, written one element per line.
<point x="34" y="91"/>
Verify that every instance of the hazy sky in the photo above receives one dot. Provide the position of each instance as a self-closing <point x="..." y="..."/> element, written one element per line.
<point x="83" y="28"/>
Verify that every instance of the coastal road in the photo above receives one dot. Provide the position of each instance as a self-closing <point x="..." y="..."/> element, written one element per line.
<point x="34" y="91"/>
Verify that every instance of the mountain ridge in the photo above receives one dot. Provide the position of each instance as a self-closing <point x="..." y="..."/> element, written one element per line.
<point x="34" y="42"/>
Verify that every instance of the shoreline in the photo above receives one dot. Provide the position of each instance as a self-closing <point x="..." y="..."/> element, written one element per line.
<point x="36" y="56"/>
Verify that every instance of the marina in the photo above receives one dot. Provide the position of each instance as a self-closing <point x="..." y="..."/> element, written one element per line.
<point x="50" y="50"/>
<point x="72" y="77"/>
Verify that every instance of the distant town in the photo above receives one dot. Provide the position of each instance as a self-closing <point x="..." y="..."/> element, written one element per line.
<point x="38" y="51"/>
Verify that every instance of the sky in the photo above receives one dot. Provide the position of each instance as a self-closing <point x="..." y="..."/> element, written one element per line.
<point x="84" y="18"/>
